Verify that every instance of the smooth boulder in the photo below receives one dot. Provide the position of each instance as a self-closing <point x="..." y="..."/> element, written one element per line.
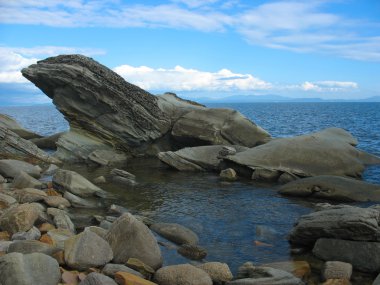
<point x="182" y="274"/>
<point x="332" y="188"/>
<point x="175" y="233"/>
<point x="87" y="250"/>
<point x="341" y="222"/>
<point x="328" y="152"/>
<point x="129" y="237"/>
<point x="34" y="268"/>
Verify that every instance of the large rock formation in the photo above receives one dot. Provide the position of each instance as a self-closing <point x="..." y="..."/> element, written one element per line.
<point x="332" y="188"/>
<point x="105" y="112"/>
<point x="11" y="124"/>
<point x="328" y="152"/>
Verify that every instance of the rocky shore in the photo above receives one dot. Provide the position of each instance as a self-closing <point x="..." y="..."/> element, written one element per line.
<point x="111" y="122"/>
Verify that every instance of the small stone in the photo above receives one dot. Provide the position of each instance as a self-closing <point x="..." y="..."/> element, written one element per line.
<point x="4" y="236"/>
<point x="125" y="278"/>
<point x="45" y="227"/>
<point x="6" y="201"/>
<point x="61" y="219"/>
<point x="100" y="180"/>
<point x="30" y="246"/>
<point x="337" y="270"/>
<point x="110" y="269"/>
<point x="228" y="174"/>
<point x="56" y="201"/>
<point x="192" y="252"/>
<point x="300" y="269"/>
<point x="60" y="257"/>
<point x="140" y="266"/>
<point x="29" y="195"/>
<point x="58" y="237"/>
<point x="51" y="170"/>
<point x="219" y="272"/>
<point x="70" y="277"/>
<point x="79" y="202"/>
<point x="117" y="210"/>
<point x="52" y="192"/>
<point x="24" y="180"/>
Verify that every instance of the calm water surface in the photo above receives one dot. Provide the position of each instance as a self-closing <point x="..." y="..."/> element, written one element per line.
<point x="228" y="217"/>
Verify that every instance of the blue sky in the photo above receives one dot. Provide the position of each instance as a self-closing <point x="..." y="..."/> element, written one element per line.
<point x="195" y="48"/>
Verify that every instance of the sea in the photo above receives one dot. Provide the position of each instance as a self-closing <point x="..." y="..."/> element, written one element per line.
<point x="229" y="218"/>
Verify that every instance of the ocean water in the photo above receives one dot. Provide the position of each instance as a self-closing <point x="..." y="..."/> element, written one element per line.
<point x="228" y="217"/>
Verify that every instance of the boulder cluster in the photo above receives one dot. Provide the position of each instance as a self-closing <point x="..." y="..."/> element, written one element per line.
<point x="112" y="121"/>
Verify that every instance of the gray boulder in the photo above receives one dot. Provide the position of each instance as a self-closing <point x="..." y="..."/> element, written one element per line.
<point x="219" y="272"/>
<point x="61" y="219"/>
<point x="95" y="278"/>
<point x="15" y="146"/>
<point x="12" y="168"/>
<point x="182" y="274"/>
<point x="332" y="188"/>
<point x="200" y="158"/>
<point x="11" y="124"/>
<point x="87" y="250"/>
<point x="58" y="237"/>
<point x="106" y="107"/>
<point x="129" y="237"/>
<point x="24" y="180"/>
<point x="66" y="180"/>
<point x="328" y="152"/>
<point x="261" y="275"/>
<point x="216" y="127"/>
<point x="19" y="218"/>
<point x="175" y="233"/>
<point x="345" y="222"/>
<point x="32" y="234"/>
<point x="110" y="269"/>
<point x="34" y="268"/>
<point x="30" y="246"/>
<point x="364" y="256"/>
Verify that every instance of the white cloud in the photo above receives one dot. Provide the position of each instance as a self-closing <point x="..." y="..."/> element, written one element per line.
<point x="183" y="79"/>
<point x="327" y="86"/>
<point x="13" y="59"/>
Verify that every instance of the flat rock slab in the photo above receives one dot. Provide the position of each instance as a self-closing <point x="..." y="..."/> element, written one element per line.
<point x="35" y="268"/>
<point x="328" y="152"/>
<point x="364" y="256"/>
<point x="332" y="188"/>
<point x="347" y="222"/>
<point x="12" y="168"/>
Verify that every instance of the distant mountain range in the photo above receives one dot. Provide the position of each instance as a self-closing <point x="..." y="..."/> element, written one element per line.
<point x="276" y="98"/>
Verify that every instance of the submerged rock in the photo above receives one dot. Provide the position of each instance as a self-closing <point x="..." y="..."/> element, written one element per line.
<point x="328" y="152"/>
<point x="123" y="177"/>
<point x="191" y="251"/>
<point x="341" y="222"/>
<point x="332" y="188"/>
<point x="175" y="233"/>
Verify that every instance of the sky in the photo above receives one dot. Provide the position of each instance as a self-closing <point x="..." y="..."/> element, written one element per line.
<point x="201" y="48"/>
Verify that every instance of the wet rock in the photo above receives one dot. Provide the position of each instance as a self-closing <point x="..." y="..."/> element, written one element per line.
<point x="347" y="222"/>
<point x="364" y="256"/>
<point x="61" y="219"/>
<point x="337" y="270"/>
<point x="219" y="272"/>
<point x="12" y="168"/>
<point x="6" y="201"/>
<point x="125" y="278"/>
<point x="34" y="268"/>
<point x="175" y="233"/>
<point x="123" y="177"/>
<point x="106" y="107"/>
<point x="15" y="146"/>
<point x="51" y="170"/>
<point x="140" y="266"/>
<point x="97" y="279"/>
<point x="30" y="246"/>
<point x="110" y="269"/>
<point x="218" y="126"/>
<point x="182" y="274"/>
<point x="193" y="252"/>
<point x="19" y="218"/>
<point x="332" y="188"/>
<point x="57" y="202"/>
<point x="32" y="234"/>
<point x="261" y="275"/>
<point x="11" y="124"/>
<point x="262" y="174"/>
<point x="199" y="158"/>
<point x="300" y="269"/>
<point x="129" y="237"/>
<point x="24" y="180"/>
<point x="228" y="174"/>
<point x="105" y="225"/>
<point x="265" y="233"/>
<point x="66" y="180"/>
<point x="29" y="195"/>
<point x="87" y="250"/>
<point x="49" y="142"/>
<point x="117" y="210"/>
<point x="328" y="152"/>
<point x="78" y="202"/>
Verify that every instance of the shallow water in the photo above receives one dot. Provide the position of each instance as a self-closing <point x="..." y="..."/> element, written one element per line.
<point x="226" y="216"/>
